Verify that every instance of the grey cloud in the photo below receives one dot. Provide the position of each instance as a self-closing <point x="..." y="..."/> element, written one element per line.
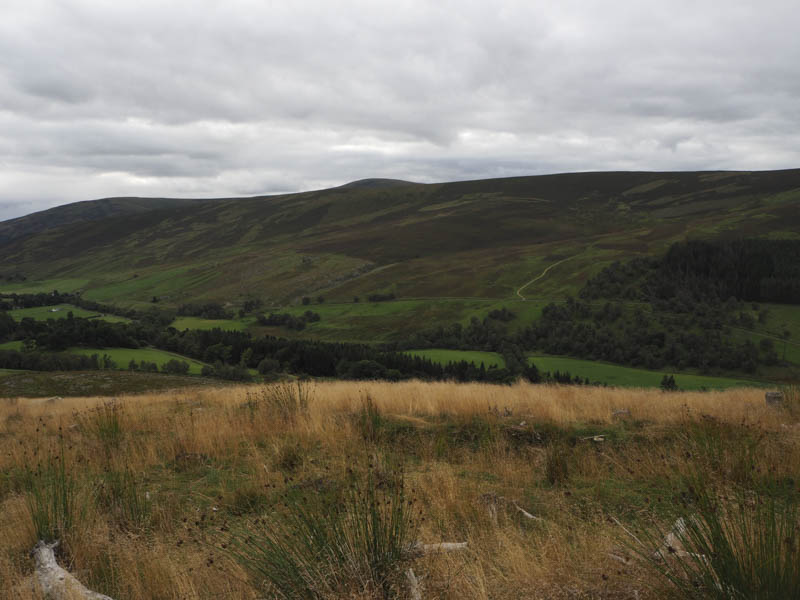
<point x="239" y="97"/>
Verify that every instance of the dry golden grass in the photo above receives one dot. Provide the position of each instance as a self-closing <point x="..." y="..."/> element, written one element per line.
<point x="473" y="453"/>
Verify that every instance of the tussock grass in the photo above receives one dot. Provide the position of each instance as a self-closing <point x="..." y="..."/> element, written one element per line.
<point x="159" y="479"/>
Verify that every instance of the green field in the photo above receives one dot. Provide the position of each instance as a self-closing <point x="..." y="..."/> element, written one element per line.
<point x="617" y="375"/>
<point x="182" y="323"/>
<point x="11" y="345"/>
<point x="60" y="311"/>
<point x="597" y="372"/>
<point x="122" y="356"/>
<point x="489" y="359"/>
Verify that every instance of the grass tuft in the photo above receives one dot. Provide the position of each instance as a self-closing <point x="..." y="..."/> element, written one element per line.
<point x="53" y="501"/>
<point x="336" y="546"/>
<point x="741" y="547"/>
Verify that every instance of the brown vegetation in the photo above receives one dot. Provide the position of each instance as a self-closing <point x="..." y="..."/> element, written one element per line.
<point x="156" y="477"/>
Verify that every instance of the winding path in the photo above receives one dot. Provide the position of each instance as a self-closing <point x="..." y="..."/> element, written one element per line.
<point x="542" y="274"/>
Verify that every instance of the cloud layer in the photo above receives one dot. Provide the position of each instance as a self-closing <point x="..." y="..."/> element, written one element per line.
<point x="222" y="98"/>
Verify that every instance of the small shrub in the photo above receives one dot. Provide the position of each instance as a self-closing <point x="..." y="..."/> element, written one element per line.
<point x="668" y="384"/>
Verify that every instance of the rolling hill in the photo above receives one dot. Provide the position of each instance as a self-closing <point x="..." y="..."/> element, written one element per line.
<point x="471" y="239"/>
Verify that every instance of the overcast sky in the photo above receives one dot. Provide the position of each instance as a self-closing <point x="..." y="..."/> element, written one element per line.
<point x="203" y="99"/>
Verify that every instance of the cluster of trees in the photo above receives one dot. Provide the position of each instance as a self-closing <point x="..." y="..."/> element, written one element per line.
<point x="643" y="338"/>
<point x="210" y="310"/>
<point x="753" y="270"/>
<point x="173" y="366"/>
<point x="381" y="297"/>
<point x="53" y="361"/>
<point x="502" y="314"/>
<point x="480" y="334"/>
<point x="289" y="321"/>
<point x="12" y="301"/>
<point x="230" y="354"/>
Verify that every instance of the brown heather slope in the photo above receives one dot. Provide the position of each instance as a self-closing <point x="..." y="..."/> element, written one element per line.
<point x="474" y="238"/>
<point x="201" y="461"/>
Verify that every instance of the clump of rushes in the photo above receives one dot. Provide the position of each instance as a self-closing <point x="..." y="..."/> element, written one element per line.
<point x="352" y="543"/>
<point x="122" y="496"/>
<point x="286" y="401"/>
<point x="105" y="424"/>
<point x="53" y="501"/>
<point x="556" y="467"/>
<point x="742" y="547"/>
<point x="369" y="419"/>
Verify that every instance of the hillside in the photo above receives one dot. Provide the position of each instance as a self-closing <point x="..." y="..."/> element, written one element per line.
<point x="82" y="212"/>
<point x="481" y="239"/>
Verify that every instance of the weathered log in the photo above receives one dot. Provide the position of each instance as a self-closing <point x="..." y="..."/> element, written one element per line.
<point x="57" y="583"/>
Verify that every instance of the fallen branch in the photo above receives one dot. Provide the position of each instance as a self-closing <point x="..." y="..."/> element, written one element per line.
<point x="440" y="547"/>
<point x="526" y="514"/>
<point x="414" y="585"/>
<point x="55" y="582"/>
<point x="673" y="543"/>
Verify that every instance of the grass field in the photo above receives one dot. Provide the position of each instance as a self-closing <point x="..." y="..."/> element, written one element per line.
<point x="617" y="375"/>
<point x="489" y="359"/>
<point x="152" y="494"/>
<point x="182" y="323"/>
<point x="17" y="345"/>
<point x="597" y="372"/>
<point x="122" y="356"/>
<point x="60" y="311"/>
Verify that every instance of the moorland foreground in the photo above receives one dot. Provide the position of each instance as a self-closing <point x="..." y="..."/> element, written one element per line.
<point x="558" y="491"/>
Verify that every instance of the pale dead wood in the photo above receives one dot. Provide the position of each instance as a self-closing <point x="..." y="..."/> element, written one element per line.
<point x="57" y="583"/>
<point x="440" y="547"/>
<point x="414" y="585"/>
<point x="526" y="514"/>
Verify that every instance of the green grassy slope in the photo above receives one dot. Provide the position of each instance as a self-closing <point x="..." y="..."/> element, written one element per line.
<point x="617" y="375"/>
<point x="480" y="239"/>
